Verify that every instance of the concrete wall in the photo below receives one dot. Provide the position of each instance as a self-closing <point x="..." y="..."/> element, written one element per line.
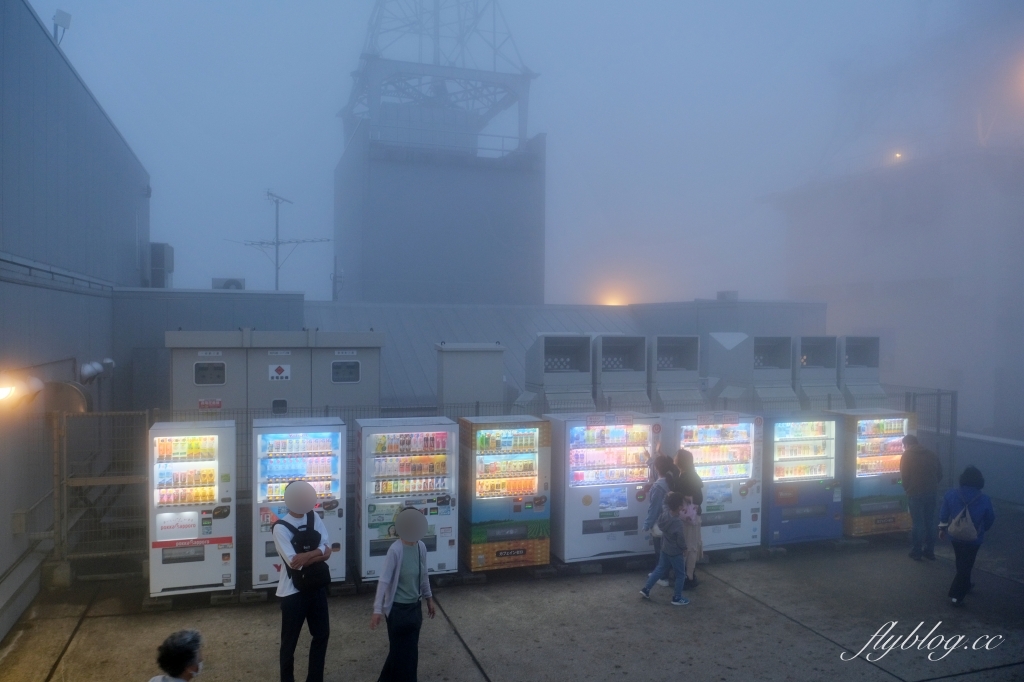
<point x="72" y="193"/>
<point x="431" y="225"/>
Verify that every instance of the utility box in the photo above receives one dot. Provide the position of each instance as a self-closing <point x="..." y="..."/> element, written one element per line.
<point x="280" y="376"/>
<point x="772" y="375"/>
<point x="470" y="373"/>
<point x="673" y="373"/>
<point x="208" y="370"/>
<point x="558" y="371"/>
<point x="345" y="368"/>
<point x="859" y="377"/>
<point x="619" y="371"/>
<point x="815" y="372"/>
<point x="275" y="371"/>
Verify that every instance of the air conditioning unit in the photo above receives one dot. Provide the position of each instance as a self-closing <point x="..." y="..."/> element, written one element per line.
<point x="229" y="283"/>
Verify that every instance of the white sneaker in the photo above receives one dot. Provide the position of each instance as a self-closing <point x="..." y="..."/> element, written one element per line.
<point x="663" y="582"/>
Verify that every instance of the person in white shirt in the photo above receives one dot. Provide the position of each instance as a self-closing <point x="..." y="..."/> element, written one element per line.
<point x="309" y="606"/>
<point x="180" y="657"/>
<point x="402" y="585"/>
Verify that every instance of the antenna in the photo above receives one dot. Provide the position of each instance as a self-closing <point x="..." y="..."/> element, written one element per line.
<point x="61" y="19"/>
<point x="277" y="241"/>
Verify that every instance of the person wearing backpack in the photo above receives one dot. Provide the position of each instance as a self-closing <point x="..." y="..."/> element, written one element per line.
<point x="303" y="545"/>
<point x="920" y="472"/>
<point x="673" y="549"/>
<point x="965" y="516"/>
<point x="402" y="586"/>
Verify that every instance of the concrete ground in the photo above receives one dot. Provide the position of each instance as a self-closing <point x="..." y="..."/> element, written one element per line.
<point x="780" y="616"/>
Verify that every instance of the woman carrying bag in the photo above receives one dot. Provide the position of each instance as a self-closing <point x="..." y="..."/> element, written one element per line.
<point x="690" y="486"/>
<point x="965" y="516"/>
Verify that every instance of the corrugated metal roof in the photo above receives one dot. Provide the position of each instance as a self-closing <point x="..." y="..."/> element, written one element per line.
<point x="409" y="359"/>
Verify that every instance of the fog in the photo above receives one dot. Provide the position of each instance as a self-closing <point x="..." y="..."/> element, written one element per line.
<point x="668" y="123"/>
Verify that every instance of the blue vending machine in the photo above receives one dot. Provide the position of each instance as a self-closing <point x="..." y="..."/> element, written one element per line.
<point x="804" y="496"/>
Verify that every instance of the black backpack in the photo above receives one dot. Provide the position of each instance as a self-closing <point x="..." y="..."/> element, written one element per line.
<point x="313" y="576"/>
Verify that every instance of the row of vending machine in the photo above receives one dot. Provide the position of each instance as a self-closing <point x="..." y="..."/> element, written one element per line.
<point x="516" y="491"/>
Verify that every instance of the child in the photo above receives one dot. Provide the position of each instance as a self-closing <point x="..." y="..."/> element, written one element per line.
<point x="403" y="583"/>
<point x="673" y="549"/>
<point x="308" y="605"/>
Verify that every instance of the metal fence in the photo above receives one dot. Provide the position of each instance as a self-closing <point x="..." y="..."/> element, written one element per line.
<point x="100" y="474"/>
<point x="100" y="469"/>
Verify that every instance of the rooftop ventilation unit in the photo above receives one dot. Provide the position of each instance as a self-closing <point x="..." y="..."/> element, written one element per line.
<point x="237" y="283"/>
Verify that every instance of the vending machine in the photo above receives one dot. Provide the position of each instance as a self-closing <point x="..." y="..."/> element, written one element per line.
<point x="407" y="463"/>
<point x="506" y="492"/>
<point x="286" y="450"/>
<point x="191" y="507"/>
<point x="726" y="449"/>
<point x="804" y="495"/>
<point x="872" y="443"/>
<point x="600" y="474"/>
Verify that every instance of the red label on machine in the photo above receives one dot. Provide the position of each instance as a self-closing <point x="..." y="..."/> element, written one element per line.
<point x="191" y="543"/>
<point x="210" y="404"/>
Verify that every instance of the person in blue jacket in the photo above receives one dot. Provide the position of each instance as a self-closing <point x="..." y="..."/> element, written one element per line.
<point x="667" y="474"/>
<point x="979" y="506"/>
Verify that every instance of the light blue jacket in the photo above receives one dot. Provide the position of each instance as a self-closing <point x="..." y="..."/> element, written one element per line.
<point x="658" y="492"/>
<point x="387" y="586"/>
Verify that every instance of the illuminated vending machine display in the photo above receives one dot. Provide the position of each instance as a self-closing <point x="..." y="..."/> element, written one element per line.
<point x="505" y="491"/>
<point x="875" y="501"/>
<point x="600" y="473"/>
<point x="726" y="449"/>
<point x="286" y="450"/>
<point x="407" y="463"/>
<point x="191" y="504"/>
<point x="804" y="496"/>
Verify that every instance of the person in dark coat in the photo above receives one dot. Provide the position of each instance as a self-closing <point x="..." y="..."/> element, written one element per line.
<point x="921" y="472"/>
<point x="979" y="506"/>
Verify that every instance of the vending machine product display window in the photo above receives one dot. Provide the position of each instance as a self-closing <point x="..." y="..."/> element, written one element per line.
<point x="804" y="450"/>
<point x="721" y="452"/>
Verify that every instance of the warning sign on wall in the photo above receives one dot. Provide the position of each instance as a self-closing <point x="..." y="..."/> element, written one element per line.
<point x="280" y="372"/>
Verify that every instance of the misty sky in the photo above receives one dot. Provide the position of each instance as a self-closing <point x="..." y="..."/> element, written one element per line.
<point x="669" y="123"/>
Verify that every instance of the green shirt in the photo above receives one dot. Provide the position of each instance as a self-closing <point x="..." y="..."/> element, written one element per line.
<point x="409" y="575"/>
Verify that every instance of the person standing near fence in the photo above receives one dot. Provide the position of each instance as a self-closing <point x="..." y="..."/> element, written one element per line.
<point x="921" y="472"/>
<point x="965" y="516"/>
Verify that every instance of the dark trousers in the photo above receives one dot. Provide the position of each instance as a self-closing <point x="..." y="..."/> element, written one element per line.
<point x="309" y="607"/>
<point x="657" y="549"/>
<point x="922" y="513"/>
<point x="966" y="553"/>
<point x="404" y="623"/>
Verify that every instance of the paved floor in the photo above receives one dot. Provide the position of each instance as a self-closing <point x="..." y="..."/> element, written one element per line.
<point x="780" y="617"/>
